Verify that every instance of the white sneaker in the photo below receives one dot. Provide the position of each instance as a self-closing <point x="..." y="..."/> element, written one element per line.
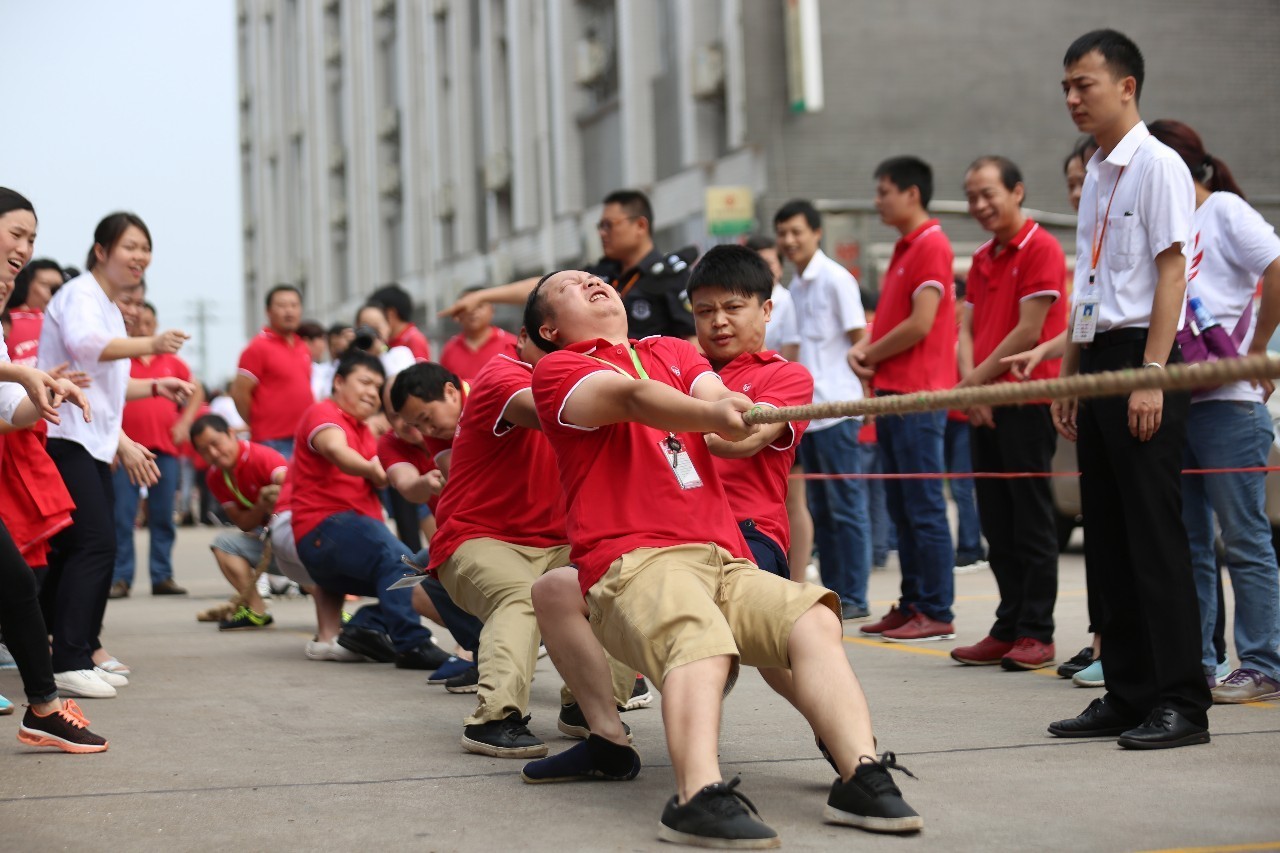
<point x="970" y="568"/>
<point x="113" y="665"/>
<point x="316" y="650"/>
<point x="115" y="679"/>
<point x="83" y="683"/>
<point x="264" y="585"/>
<point x="812" y="575"/>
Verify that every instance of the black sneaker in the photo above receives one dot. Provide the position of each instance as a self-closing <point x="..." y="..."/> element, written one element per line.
<point x="467" y="682"/>
<point x="426" y="656"/>
<point x="66" y="730"/>
<point x="640" y="695"/>
<point x="1083" y="658"/>
<point x="871" y="800"/>
<point x="506" y="738"/>
<point x="573" y="722"/>
<point x="717" y="816"/>
<point x="375" y="645"/>
<point x="245" y="618"/>
<point x="595" y="758"/>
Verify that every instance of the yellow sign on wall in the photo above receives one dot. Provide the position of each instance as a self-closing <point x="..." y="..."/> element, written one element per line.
<point x="730" y="211"/>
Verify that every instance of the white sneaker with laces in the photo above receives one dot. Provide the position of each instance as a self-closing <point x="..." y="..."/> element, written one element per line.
<point x="316" y="650"/>
<point x="83" y="683"/>
<point x="115" y="679"/>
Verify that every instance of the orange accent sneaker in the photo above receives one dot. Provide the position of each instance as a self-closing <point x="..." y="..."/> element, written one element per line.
<point x="1028" y="654"/>
<point x="985" y="652"/>
<point x="895" y="618"/>
<point x="66" y="730"/>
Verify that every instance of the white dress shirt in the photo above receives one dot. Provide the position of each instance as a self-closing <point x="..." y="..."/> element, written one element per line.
<point x="782" y="328"/>
<point x="79" y="322"/>
<point x="1151" y="208"/>
<point x="828" y="307"/>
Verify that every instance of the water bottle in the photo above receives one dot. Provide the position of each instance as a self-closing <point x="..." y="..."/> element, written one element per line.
<point x="1216" y="339"/>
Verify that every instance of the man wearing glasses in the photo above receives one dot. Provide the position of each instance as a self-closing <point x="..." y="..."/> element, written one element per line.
<point x="652" y="284"/>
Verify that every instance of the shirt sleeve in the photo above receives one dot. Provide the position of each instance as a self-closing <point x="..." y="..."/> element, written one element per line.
<point x="501" y="380"/>
<point x="693" y="365"/>
<point x="848" y="304"/>
<point x="81" y="326"/>
<point x="1166" y="203"/>
<point x="251" y="362"/>
<point x="1249" y="240"/>
<point x="789" y="323"/>
<point x="554" y="379"/>
<point x="933" y="264"/>
<point x="789" y="384"/>
<point x="1043" y="270"/>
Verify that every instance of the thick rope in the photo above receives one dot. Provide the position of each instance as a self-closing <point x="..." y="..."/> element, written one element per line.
<point x="1176" y="377"/>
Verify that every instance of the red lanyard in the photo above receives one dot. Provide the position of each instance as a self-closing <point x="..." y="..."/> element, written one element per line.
<point x="1098" y="238"/>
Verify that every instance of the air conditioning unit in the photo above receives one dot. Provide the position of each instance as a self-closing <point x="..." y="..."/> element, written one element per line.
<point x="444" y="201"/>
<point x="497" y="170"/>
<point x="590" y="61"/>
<point x="708" y="72"/>
<point x="389" y="123"/>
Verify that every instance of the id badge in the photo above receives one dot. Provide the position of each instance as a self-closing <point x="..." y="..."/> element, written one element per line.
<point x="681" y="465"/>
<point x="418" y="576"/>
<point x="1084" y="319"/>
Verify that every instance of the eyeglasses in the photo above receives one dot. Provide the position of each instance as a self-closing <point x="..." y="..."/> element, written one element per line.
<point x="604" y="226"/>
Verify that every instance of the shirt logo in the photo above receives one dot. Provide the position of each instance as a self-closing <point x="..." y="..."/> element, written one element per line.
<point x="746" y="386"/>
<point x="641" y="310"/>
<point x="1196" y="258"/>
<point x="675" y="370"/>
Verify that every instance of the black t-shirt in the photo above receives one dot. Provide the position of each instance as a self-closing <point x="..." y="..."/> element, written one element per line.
<point x="653" y="292"/>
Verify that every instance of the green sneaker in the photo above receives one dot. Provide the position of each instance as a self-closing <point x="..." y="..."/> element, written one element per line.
<point x="245" y="618"/>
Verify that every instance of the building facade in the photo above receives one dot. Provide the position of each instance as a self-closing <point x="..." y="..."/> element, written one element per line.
<point x="446" y="143"/>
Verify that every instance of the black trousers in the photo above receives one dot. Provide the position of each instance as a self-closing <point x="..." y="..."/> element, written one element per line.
<point x="1018" y="521"/>
<point x="1135" y="544"/>
<point x="81" y="558"/>
<point x="405" y="514"/>
<point x="23" y="624"/>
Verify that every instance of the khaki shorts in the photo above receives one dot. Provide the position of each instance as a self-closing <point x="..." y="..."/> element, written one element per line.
<point x="659" y="608"/>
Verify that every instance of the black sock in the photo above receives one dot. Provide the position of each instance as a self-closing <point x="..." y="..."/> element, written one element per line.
<point x="609" y="757"/>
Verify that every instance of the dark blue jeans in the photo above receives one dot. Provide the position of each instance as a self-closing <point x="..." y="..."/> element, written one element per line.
<point x="912" y="444"/>
<point x="959" y="461"/>
<point x="765" y="553"/>
<point x="464" y="627"/>
<point x="283" y="445"/>
<point x="352" y="553"/>
<point x="159" y="521"/>
<point x="841" y="526"/>
<point x="883" y="537"/>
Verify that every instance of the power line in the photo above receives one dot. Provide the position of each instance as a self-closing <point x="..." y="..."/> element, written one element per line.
<point x="202" y="316"/>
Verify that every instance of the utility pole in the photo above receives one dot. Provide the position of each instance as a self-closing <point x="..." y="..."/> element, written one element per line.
<point x="202" y="316"/>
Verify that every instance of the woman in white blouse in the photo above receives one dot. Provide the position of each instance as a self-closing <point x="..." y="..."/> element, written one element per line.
<point x="85" y="327"/>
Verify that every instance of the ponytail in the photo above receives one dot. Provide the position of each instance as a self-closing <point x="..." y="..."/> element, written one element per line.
<point x="1220" y="177"/>
<point x="1205" y="168"/>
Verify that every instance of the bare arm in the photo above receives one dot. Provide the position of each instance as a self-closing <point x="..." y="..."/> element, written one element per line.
<point x="251" y="518"/>
<point x="242" y="394"/>
<point x="1146" y="407"/>
<point x="521" y="411"/>
<point x="181" y="432"/>
<point x="415" y="487"/>
<point x="514" y="293"/>
<point x="1268" y="319"/>
<point x="332" y="444"/>
<point x="118" y="348"/>
<point x="908" y="333"/>
<point x="751" y="445"/>
<point x="605" y="398"/>
<point x="964" y="344"/>
<point x="1023" y="336"/>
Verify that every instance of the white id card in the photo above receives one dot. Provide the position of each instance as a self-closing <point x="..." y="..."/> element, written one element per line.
<point x="419" y="575"/>
<point x="1084" y="319"/>
<point x="681" y="465"/>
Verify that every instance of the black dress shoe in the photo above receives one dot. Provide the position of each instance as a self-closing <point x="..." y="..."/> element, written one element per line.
<point x="1083" y="658"/>
<point x="426" y="656"/>
<point x="1164" y="729"/>
<point x="1098" y="720"/>
<point x="374" y="645"/>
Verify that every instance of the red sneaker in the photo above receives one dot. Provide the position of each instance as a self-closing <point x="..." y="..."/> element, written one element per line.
<point x="1028" y="654"/>
<point x="920" y="629"/>
<point x="895" y="618"/>
<point x="985" y="652"/>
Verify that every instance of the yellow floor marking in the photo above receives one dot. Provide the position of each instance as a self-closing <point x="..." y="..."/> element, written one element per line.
<point x="938" y="653"/>
<point x="1221" y="848"/>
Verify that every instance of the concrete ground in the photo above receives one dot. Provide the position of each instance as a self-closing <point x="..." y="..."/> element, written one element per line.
<point x="237" y="742"/>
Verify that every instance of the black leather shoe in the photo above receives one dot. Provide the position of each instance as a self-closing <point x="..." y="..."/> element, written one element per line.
<point x="426" y="656"/>
<point x="1098" y="720"/>
<point x="374" y="645"/>
<point x="1164" y="729"/>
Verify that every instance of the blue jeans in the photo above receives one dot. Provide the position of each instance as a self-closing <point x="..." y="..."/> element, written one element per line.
<point x="352" y="553"/>
<point x="958" y="461"/>
<point x="283" y="445"/>
<point x="841" y="526"/>
<point x="1233" y="434"/>
<point x="159" y="521"/>
<point x="883" y="537"/>
<point x="912" y="444"/>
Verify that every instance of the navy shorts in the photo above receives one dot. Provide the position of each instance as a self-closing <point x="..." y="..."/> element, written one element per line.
<point x="765" y="553"/>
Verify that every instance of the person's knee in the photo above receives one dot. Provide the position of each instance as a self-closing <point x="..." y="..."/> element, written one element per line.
<point x="557" y="593"/>
<point x="819" y="624"/>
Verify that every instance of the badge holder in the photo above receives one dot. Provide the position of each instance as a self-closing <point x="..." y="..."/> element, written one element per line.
<point x="418" y="576"/>
<point x="681" y="464"/>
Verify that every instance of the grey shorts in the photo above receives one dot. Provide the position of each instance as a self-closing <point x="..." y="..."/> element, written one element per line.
<point x="286" y="550"/>
<point x="237" y="543"/>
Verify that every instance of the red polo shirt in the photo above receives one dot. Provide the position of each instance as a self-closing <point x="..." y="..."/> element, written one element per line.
<point x="23" y="339"/>
<point x="757" y="485"/>
<point x="464" y="362"/>
<point x="255" y="468"/>
<point x="503" y="480"/>
<point x="320" y="488"/>
<point x="1032" y="265"/>
<point x="921" y="259"/>
<point x="282" y="370"/>
<point x="149" y="421"/>
<point x="411" y="336"/>
<point x="622" y="493"/>
<point x="394" y="450"/>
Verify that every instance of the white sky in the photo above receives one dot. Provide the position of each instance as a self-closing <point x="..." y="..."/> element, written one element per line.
<point x="132" y="106"/>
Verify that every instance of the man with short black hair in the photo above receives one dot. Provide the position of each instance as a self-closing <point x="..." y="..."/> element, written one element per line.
<point x="651" y="283"/>
<point x="398" y="307"/>
<point x="272" y="387"/>
<point x="1128" y="303"/>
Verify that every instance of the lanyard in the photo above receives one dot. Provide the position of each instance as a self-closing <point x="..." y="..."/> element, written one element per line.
<point x="626" y="288"/>
<point x="226" y="478"/>
<point x="635" y="359"/>
<point x="1098" y="238"/>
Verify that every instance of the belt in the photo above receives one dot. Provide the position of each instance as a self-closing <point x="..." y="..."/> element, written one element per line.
<point x="1117" y="337"/>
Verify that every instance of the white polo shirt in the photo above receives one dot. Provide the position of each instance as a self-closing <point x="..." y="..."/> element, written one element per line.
<point x="11" y="393"/>
<point x="782" y="329"/>
<point x="1151" y="203"/>
<point x="828" y="307"/>
<point x="1232" y="247"/>
<point x="79" y="322"/>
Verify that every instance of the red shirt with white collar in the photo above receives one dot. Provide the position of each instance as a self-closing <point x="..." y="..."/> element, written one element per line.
<point x="1030" y="266"/>
<point x="503" y="479"/>
<point x="757" y="485"/>
<point x="622" y="492"/>
<point x="282" y="369"/>
<point x="460" y="359"/>
<point x="320" y="488"/>
<point x="411" y="336"/>
<point x="150" y="421"/>
<point x="921" y="259"/>
<point x="255" y="469"/>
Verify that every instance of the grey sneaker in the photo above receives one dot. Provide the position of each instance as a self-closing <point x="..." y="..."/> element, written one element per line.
<point x="717" y="816"/>
<point x="1243" y="686"/>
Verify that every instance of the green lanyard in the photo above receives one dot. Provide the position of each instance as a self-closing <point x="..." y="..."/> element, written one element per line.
<point x="635" y="359"/>
<point x="226" y="478"/>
